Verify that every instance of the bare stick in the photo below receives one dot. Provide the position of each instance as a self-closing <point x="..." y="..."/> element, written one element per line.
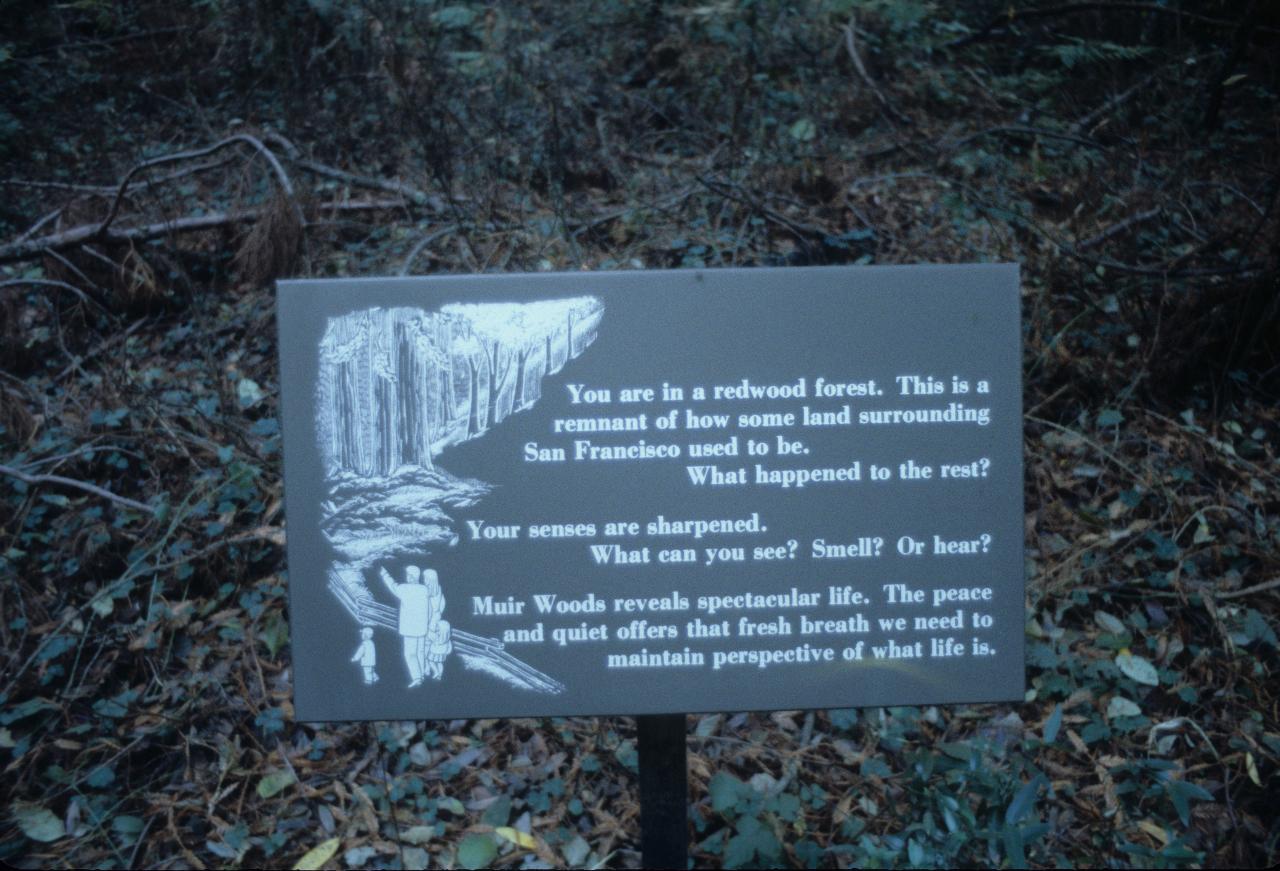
<point x="1247" y="591"/>
<point x="176" y="157"/>
<point x="48" y="282"/>
<point x="423" y="243"/>
<point x="1017" y="130"/>
<point x="1012" y="17"/>
<point x="392" y="186"/>
<point x="79" y="485"/>
<point x="58" y="186"/>
<point x="77" y="236"/>
<point x="852" y="48"/>
<point x="1111" y="105"/>
<point x="34" y="228"/>
<point x="76" y="269"/>
<point x="1117" y="228"/>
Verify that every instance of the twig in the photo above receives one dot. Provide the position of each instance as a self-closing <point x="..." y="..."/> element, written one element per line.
<point x="31" y="231"/>
<point x="1111" y="105"/>
<point x="579" y="225"/>
<point x="67" y="264"/>
<point x="422" y="244"/>
<point x="1091" y="443"/>
<point x="1117" y="228"/>
<point x="115" y="337"/>
<point x="72" y="482"/>
<point x="239" y="138"/>
<point x="1014" y="130"/>
<point x="1014" y="15"/>
<point x="59" y="186"/>
<point x="103" y="43"/>
<point x="49" y="282"/>
<point x="851" y="47"/>
<point x="805" y="233"/>
<point x="1248" y="591"/>
<point x="392" y="186"/>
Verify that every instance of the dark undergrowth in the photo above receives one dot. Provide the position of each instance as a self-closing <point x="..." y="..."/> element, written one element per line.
<point x="1124" y="154"/>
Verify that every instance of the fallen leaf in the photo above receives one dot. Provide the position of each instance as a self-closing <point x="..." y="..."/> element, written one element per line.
<point x="1109" y="622"/>
<point x="38" y="822"/>
<point x="418" y="834"/>
<point x="315" y="858"/>
<point x="275" y="781"/>
<point x="1136" y="668"/>
<point x="517" y="837"/>
<point x="1119" y="706"/>
<point x="1154" y="831"/>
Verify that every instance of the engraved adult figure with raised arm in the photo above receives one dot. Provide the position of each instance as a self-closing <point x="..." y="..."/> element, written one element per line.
<point x="417" y="604"/>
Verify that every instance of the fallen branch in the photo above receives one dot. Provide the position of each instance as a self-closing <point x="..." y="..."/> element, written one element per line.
<point x="177" y="157"/>
<point x="1117" y="228"/>
<point x="391" y="186"/>
<point x="1248" y="591"/>
<point x="76" y="236"/>
<point x="79" y="485"/>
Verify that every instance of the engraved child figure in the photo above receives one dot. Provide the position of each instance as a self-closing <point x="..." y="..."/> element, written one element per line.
<point x="367" y="656"/>
<point x="439" y="646"/>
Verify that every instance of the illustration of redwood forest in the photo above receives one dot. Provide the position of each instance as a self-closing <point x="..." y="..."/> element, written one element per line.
<point x="162" y="164"/>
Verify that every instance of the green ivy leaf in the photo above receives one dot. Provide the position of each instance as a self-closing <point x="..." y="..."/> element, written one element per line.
<point x="37" y="822"/>
<point x="1052" y="725"/>
<point x="476" y="851"/>
<point x="498" y="813"/>
<point x="454" y="17"/>
<point x="803" y="130"/>
<point x="100" y="777"/>
<point x="725" y="791"/>
<point x="274" y="782"/>
<point x="874" y="767"/>
<point x="1023" y="801"/>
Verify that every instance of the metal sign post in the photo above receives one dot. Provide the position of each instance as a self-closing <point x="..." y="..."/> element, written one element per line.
<point x="664" y="791"/>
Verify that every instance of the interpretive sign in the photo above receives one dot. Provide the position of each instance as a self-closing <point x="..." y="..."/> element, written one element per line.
<point x="653" y="492"/>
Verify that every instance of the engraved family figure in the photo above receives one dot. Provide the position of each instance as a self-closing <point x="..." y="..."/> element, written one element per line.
<point x="367" y="656"/>
<point x="424" y="634"/>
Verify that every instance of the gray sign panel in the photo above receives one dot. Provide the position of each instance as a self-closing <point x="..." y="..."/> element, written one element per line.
<point x="647" y="492"/>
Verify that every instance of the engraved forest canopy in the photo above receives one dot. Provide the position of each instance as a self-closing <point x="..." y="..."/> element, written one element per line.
<point x="396" y="386"/>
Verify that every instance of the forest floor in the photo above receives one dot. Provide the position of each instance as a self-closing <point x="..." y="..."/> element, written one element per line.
<point x="1127" y="159"/>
